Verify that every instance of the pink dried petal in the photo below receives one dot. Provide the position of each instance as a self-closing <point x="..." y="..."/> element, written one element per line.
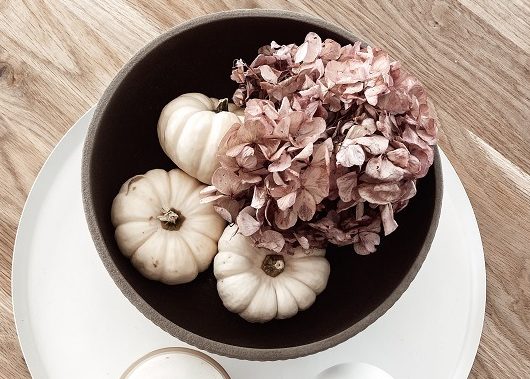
<point x="279" y="152"/>
<point x="367" y="127"/>
<point x="367" y="243"/>
<point x="304" y="153"/>
<point x="334" y="71"/>
<point x="387" y="217"/>
<point x="382" y="169"/>
<point x="380" y="62"/>
<point x="234" y="151"/>
<point x="311" y="92"/>
<point x="351" y="89"/>
<point x="305" y="206"/>
<point x="330" y="50"/>
<point x="315" y="180"/>
<point x="394" y="101"/>
<point x="312" y="108"/>
<point x="285" y="108"/>
<point x="281" y="163"/>
<point x="346" y="185"/>
<point x="269" y="147"/>
<point x="282" y="190"/>
<point x="359" y="211"/>
<point x="257" y="108"/>
<point x="356" y="72"/>
<point x="321" y="157"/>
<point x="277" y="178"/>
<point x="350" y="154"/>
<point x="239" y="97"/>
<point x="224" y="213"/>
<point x="249" y="178"/>
<point x="307" y="131"/>
<point x="262" y="59"/>
<point x="380" y="193"/>
<point x="374" y="144"/>
<point x="207" y="191"/>
<point x="247" y="224"/>
<point x="408" y="190"/>
<point x="281" y="130"/>
<point x="227" y="182"/>
<point x="303" y="241"/>
<point x="209" y="199"/>
<point x="309" y="50"/>
<point x="373" y="93"/>
<point x="271" y="240"/>
<point x="269" y="74"/>
<point x="286" y="201"/>
<point x="227" y="208"/>
<point x="400" y="157"/>
<point x="246" y="158"/>
<point x="384" y="125"/>
<point x="285" y="219"/>
<point x="259" y="197"/>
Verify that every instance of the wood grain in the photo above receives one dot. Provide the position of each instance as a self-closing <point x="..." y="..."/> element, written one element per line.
<point x="56" y="58"/>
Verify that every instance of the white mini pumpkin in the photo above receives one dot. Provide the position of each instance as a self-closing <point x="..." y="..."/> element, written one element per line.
<point x="190" y="129"/>
<point x="261" y="285"/>
<point x="162" y="227"/>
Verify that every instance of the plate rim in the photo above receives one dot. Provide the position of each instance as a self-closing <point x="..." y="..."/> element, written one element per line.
<point x="26" y="338"/>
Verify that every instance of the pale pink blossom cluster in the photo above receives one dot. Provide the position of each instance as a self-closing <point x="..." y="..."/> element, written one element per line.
<point x="333" y="141"/>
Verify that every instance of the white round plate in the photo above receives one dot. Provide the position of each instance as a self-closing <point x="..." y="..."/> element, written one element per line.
<point x="73" y="322"/>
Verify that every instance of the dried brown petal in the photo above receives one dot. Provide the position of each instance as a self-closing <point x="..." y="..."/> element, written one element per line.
<point x="315" y="180"/>
<point x="347" y="185"/>
<point x="259" y="197"/>
<point x="281" y="163"/>
<point x="330" y="50"/>
<point x="382" y="169"/>
<point x="372" y="93"/>
<point x="269" y="74"/>
<point x="286" y="201"/>
<point x="304" y="153"/>
<point x="400" y="157"/>
<point x="247" y="224"/>
<point x="350" y="154"/>
<point x="367" y="243"/>
<point x="303" y="241"/>
<point x="227" y="208"/>
<point x="380" y="193"/>
<point x="304" y="132"/>
<point x="305" y="206"/>
<point x="246" y="158"/>
<point x="207" y="191"/>
<point x="271" y="240"/>
<point x="394" y="101"/>
<point x="227" y="182"/>
<point x="387" y="218"/>
<point x="374" y="144"/>
<point x="285" y="219"/>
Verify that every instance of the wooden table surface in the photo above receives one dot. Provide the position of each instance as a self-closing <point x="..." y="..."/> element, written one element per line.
<point x="57" y="57"/>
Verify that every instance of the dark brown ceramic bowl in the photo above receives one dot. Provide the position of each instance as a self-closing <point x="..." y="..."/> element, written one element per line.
<point x="122" y="142"/>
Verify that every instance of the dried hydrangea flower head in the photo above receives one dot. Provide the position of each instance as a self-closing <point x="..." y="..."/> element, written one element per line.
<point x="333" y="141"/>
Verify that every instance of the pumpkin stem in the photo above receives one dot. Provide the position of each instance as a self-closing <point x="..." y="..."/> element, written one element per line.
<point x="222" y="106"/>
<point x="171" y="219"/>
<point x="273" y="265"/>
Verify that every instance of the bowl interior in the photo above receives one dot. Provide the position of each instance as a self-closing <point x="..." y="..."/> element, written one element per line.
<point x="123" y="143"/>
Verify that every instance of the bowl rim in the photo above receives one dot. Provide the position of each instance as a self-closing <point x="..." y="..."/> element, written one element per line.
<point x="216" y="347"/>
<point x="175" y="350"/>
